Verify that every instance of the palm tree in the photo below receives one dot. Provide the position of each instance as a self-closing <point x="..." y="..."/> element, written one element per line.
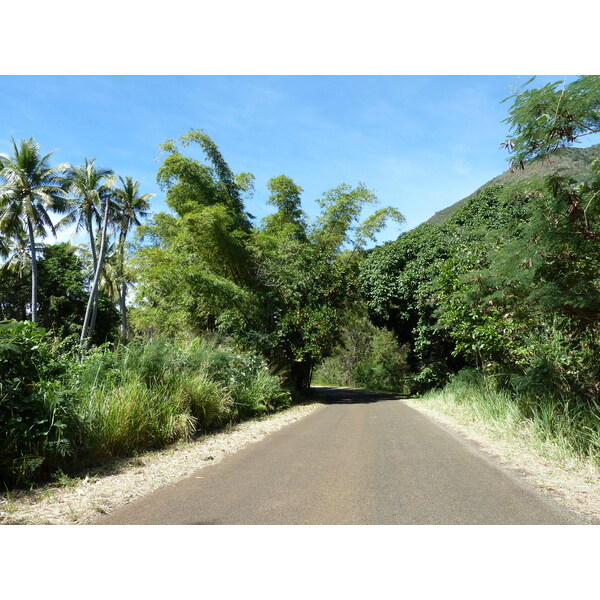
<point x="91" y="311"/>
<point x="8" y="245"/>
<point x="92" y="189"/>
<point x="109" y="283"/>
<point x="15" y="252"/>
<point x="88" y="186"/>
<point x="16" y="263"/>
<point x="132" y="207"/>
<point x="29" y="189"/>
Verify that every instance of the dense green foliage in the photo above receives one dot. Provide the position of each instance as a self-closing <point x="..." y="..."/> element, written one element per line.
<point x="399" y="280"/>
<point x="227" y="317"/>
<point x="62" y="294"/>
<point x="368" y="357"/>
<point x="57" y="412"/>
<point x="36" y="416"/>
<point x="281" y="287"/>
<point x="509" y="284"/>
<point x="512" y="268"/>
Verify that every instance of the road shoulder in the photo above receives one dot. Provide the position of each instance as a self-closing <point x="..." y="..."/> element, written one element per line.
<point x="80" y="501"/>
<point x="570" y="484"/>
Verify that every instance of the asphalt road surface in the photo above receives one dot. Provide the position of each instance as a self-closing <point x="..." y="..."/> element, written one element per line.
<point x="363" y="458"/>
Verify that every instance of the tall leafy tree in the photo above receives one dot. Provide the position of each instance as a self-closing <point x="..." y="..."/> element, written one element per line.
<point x="194" y="268"/>
<point x="30" y="188"/>
<point x="190" y="183"/>
<point x="280" y="287"/>
<point x="309" y="274"/>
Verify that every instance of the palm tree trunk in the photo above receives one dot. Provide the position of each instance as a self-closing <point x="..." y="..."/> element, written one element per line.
<point x="95" y="266"/>
<point x="123" y="307"/>
<point x="92" y="242"/>
<point x="34" y="278"/>
<point x="123" y="286"/>
<point x="94" y="313"/>
<point x="87" y="332"/>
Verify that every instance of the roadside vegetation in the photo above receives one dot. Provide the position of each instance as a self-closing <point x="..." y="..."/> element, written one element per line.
<point x="499" y="304"/>
<point x="162" y="326"/>
<point x="564" y="431"/>
<point x="167" y="325"/>
<point x="61" y="411"/>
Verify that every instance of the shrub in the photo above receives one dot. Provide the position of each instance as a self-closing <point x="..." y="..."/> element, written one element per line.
<point x="58" y="411"/>
<point x="36" y="411"/>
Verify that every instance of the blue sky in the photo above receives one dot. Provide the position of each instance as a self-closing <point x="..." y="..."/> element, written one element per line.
<point x="420" y="142"/>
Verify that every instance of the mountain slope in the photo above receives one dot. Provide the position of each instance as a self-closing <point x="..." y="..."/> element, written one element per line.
<point x="573" y="162"/>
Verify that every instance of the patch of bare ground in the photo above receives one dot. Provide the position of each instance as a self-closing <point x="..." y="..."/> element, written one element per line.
<point x="79" y="501"/>
<point x="571" y="482"/>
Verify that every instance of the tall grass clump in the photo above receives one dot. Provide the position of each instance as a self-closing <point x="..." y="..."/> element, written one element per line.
<point x="566" y="426"/>
<point x="118" y="420"/>
<point x="149" y="394"/>
<point x="208" y="402"/>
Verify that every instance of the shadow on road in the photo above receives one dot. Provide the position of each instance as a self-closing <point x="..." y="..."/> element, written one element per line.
<point x="332" y="395"/>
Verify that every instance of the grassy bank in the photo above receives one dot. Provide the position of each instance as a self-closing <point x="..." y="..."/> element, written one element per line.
<point x="563" y="430"/>
<point x="59" y="413"/>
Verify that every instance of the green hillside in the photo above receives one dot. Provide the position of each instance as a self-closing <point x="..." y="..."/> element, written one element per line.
<point x="573" y="162"/>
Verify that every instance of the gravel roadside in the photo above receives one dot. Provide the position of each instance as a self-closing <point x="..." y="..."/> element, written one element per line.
<point x="80" y="501"/>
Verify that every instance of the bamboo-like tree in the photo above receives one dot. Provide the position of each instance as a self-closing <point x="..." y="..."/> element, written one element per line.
<point x="132" y="207"/>
<point x="29" y="189"/>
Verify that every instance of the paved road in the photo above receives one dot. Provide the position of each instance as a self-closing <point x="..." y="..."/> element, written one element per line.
<point x="362" y="458"/>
